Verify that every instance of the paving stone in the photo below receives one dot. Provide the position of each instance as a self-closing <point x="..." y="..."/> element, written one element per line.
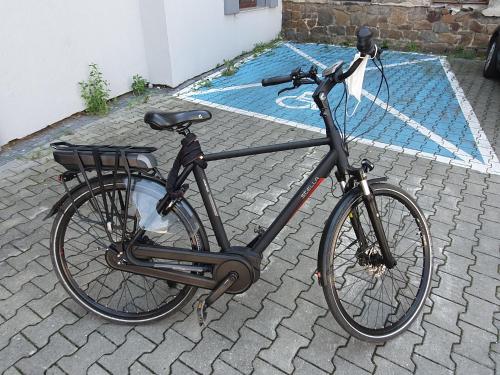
<point x="79" y="331"/>
<point x="445" y="314"/>
<point x="264" y="368"/>
<point x="487" y="245"/>
<point x="399" y="350"/>
<point x="426" y="366"/>
<point x="254" y="296"/>
<point x="343" y="366"/>
<point x="244" y="351"/>
<point x="14" y="283"/>
<point x="288" y="292"/>
<point x="155" y="331"/>
<point x="303" y="318"/>
<point x="43" y="306"/>
<point x="139" y="369"/>
<point x="12" y="371"/>
<point x="4" y="293"/>
<point x="305" y="368"/>
<point x="322" y="348"/>
<point x="268" y="319"/>
<point x="465" y="366"/>
<point x="57" y="347"/>
<point x="230" y="323"/>
<point x="24" y="317"/>
<point x="437" y="345"/>
<point x="40" y="333"/>
<point x="122" y="358"/>
<point x="275" y="270"/>
<point x="160" y="360"/>
<point x="284" y="349"/>
<point x="387" y="367"/>
<point x="475" y="344"/>
<point x="482" y="286"/>
<point x="315" y="295"/>
<point x="190" y="326"/>
<point x="17" y="348"/>
<point x="456" y="265"/>
<point x="479" y="313"/>
<point x="358" y="352"/>
<point x="451" y="288"/>
<point x="486" y="265"/>
<point x="116" y="333"/>
<point x="304" y="270"/>
<point x="205" y="352"/>
<point x="10" y="305"/>
<point x="97" y="369"/>
<point x="180" y="368"/>
<point x="220" y="367"/>
<point x="290" y="251"/>
<point x="78" y="363"/>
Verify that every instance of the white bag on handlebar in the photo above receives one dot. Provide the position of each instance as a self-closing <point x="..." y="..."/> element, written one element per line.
<point x="355" y="80"/>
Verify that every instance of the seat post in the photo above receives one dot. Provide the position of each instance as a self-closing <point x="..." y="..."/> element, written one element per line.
<point x="211" y="207"/>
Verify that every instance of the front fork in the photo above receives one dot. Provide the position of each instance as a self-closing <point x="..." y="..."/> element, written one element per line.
<point x="373" y="214"/>
<point x="376" y="222"/>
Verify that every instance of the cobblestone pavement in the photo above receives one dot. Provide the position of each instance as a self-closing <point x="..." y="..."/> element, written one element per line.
<point x="281" y="325"/>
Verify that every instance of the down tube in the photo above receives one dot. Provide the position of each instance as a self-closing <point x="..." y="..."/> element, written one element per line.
<point x="322" y="171"/>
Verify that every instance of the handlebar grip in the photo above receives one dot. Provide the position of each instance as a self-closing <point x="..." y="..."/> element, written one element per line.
<point x="365" y="43"/>
<point x="276" y="80"/>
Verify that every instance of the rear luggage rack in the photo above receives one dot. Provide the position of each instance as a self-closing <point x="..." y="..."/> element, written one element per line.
<point x="105" y="157"/>
<point x="94" y="164"/>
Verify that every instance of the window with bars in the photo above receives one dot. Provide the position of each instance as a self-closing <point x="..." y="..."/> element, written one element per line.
<point x="247" y="4"/>
<point x="234" y="6"/>
<point x="461" y="1"/>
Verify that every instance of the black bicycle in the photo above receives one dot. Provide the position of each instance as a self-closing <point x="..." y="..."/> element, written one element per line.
<point x="128" y="246"/>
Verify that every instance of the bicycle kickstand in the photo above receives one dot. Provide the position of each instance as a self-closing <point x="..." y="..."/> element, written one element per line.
<point x="203" y="304"/>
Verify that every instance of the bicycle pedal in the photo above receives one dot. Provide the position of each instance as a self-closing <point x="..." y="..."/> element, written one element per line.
<point x="201" y="311"/>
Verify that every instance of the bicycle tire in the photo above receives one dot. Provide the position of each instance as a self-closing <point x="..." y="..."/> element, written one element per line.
<point x="351" y="314"/>
<point x="59" y="250"/>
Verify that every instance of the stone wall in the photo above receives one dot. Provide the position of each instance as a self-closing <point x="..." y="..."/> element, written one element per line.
<point x="430" y="28"/>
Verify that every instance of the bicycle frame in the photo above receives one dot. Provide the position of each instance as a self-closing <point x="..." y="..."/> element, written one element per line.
<point x="336" y="157"/>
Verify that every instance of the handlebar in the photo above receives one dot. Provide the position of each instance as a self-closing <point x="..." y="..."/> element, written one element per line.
<point x="365" y="46"/>
<point x="277" y="80"/>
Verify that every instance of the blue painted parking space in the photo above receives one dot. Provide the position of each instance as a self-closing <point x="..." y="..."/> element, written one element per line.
<point x="428" y="115"/>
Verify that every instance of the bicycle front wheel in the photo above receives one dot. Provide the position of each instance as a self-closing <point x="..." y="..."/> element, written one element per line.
<point x="367" y="299"/>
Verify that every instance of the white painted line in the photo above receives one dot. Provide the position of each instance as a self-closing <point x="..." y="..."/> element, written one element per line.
<point x="323" y="66"/>
<point x="229" y="88"/>
<point x="471" y="164"/>
<point x="480" y="138"/>
<point x="483" y="145"/>
<point x="305" y="55"/>
<point x="415" y="125"/>
<point x="404" y="63"/>
<point x="420" y="128"/>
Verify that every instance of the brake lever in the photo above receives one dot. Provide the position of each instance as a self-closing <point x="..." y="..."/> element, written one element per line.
<point x="286" y="89"/>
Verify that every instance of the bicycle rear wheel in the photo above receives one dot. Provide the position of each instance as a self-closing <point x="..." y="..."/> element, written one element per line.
<point x="367" y="299"/>
<point x="79" y="241"/>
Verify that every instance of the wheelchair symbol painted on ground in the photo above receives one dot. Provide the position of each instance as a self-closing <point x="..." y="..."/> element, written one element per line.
<point x="302" y="101"/>
<point x="428" y="113"/>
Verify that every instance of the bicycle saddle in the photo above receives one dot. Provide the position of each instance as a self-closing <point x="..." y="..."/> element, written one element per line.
<point x="160" y="120"/>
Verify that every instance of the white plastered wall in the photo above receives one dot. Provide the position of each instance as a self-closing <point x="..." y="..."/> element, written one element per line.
<point x="46" y="46"/>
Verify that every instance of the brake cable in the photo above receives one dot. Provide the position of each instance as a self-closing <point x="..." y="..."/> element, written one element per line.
<point x="382" y="80"/>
